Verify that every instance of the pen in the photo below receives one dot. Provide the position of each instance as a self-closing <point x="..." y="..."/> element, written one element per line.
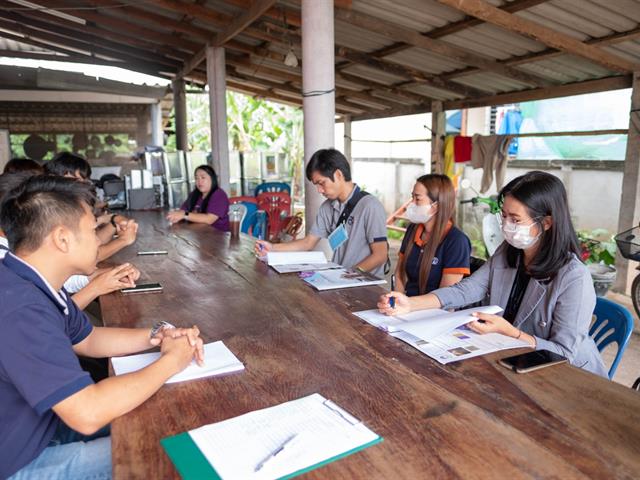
<point x="273" y="455"/>
<point x="392" y="300"/>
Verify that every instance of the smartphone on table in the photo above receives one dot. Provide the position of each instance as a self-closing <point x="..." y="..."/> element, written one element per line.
<point x="143" y="288"/>
<point x="531" y="361"/>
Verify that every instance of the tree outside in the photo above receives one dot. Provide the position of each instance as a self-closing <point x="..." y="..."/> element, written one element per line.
<point x="255" y="125"/>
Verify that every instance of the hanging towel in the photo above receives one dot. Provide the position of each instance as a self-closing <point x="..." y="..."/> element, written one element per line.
<point x="449" y="170"/>
<point x="461" y="149"/>
<point x="490" y="154"/>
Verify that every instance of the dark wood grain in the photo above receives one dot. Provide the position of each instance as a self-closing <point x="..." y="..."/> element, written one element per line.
<point x="472" y="419"/>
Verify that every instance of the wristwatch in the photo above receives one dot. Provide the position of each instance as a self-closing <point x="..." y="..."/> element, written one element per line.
<point x="112" y="220"/>
<point x="158" y="326"/>
<point x="186" y="215"/>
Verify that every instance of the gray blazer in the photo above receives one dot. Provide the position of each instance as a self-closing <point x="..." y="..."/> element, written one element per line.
<point x="557" y="313"/>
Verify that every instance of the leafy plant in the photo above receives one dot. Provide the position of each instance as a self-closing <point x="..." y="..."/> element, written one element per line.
<point x="597" y="246"/>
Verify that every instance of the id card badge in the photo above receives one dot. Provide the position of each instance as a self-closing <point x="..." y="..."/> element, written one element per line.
<point x="338" y="237"/>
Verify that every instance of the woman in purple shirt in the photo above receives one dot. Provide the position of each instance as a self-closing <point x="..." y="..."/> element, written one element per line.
<point x="206" y="204"/>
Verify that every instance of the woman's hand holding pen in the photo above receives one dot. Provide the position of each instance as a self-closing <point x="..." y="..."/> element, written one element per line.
<point x="402" y="303"/>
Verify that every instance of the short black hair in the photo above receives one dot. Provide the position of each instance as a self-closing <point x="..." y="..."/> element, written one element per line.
<point x="195" y="194"/>
<point x="544" y="195"/>
<point x="30" y="211"/>
<point x="9" y="181"/>
<point x="67" y="163"/>
<point x="326" y="162"/>
<point x="23" y="165"/>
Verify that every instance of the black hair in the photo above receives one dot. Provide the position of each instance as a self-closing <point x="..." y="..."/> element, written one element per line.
<point x="30" y="211"/>
<point x="9" y="181"/>
<point x="23" y="165"/>
<point x="326" y="162"/>
<point x="544" y="195"/>
<point x="195" y="195"/>
<point x="67" y="163"/>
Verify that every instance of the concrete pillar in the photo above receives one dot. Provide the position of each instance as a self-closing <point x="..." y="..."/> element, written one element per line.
<point x="318" y="87"/>
<point x="438" y="122"/>
<point x="157" y="132"/>
<point x="347" y="139"/>
<point x="143" y="130"/>
<point x="630" y="199"/>
<point x="180" y="114"/>
<point x="216" y="79"/>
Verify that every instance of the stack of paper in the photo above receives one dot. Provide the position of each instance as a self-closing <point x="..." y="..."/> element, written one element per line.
<point x="282" y="441"/>
<point x="218" y="359"/>
<point x="341" y="278"/>
<point x="441" y="335"/>
<point x="290" y="262"/>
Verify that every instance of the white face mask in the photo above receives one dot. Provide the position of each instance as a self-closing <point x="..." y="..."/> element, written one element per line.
<point x="519" y="236"/>
<point x="419" y="213"/>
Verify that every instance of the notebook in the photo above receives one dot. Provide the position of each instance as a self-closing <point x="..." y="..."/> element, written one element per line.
<point x="341" y="278"/>
<point x="218" y="359"/>
<point x="303" y="434"/>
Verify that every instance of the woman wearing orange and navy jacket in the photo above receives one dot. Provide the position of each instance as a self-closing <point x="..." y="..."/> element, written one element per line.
<point x="434" y="253"/>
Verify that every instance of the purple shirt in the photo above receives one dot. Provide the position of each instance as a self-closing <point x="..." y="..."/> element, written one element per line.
<point x="218" y="205"/>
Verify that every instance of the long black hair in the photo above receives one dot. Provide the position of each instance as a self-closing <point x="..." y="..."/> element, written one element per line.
<point x="195" y="195"/>
<point x="544" y="195"/>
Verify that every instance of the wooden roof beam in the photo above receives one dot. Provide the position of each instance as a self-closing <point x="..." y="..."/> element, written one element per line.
<point x="549" y="53"/>
<point x="87" y="34"/>
<point x="120" y="25"/>
<point x="238" y="24"/>
<point x="76" y="46"/>
<point x="161" y="20"/>
<point x="552" y="38"/>
<point x="467" y="22"/>
<point x="393" y="31"/>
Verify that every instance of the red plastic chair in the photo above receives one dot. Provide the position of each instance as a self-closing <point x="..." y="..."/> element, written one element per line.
<point x="243" y="199"/>
<point x="278" y="208"/>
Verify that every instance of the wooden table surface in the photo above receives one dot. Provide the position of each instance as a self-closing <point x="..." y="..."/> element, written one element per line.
<point x="472" y="419"/>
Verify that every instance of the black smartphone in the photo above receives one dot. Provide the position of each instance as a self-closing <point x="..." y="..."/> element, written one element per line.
<point x="143" y="287"/>
<point x="530" y="361"/>
<point x="154" y="252"/>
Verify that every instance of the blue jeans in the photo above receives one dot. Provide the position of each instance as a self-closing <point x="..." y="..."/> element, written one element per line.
<point x="71" y="456"/>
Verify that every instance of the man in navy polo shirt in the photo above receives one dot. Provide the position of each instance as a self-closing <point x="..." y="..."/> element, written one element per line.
<point x="49" y="405"/>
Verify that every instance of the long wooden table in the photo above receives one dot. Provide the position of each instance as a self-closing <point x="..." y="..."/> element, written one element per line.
<point x="472" y="419"/>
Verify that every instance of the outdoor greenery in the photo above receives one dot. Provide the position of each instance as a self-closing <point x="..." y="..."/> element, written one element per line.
<point x="597" y="246"/>
<point x="255" y="125"/>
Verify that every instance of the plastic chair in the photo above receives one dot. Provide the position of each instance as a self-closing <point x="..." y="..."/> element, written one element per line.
<point x="251" y="206"/>
<point x="273" y="187"/>
<point x="613" y="323"/>
<point x="278" y="207"/>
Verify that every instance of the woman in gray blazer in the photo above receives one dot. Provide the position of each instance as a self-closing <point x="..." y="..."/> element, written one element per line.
<point x="535" y="276"/>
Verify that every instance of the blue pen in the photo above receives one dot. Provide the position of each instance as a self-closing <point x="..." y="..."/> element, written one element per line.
<point x="392" y="300"/>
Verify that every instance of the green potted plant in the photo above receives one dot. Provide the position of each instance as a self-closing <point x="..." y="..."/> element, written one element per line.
<point x="598" y="251"/>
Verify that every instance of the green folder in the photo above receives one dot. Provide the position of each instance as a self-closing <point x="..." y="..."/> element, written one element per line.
<point x="192" y="464"/>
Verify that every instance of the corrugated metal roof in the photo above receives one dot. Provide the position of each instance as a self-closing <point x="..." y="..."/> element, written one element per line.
<point x="165" y="49"/>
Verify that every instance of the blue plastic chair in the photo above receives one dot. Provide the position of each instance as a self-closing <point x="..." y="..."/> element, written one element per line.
<point x="270" y="187"/>
<point x="613" y="323"/>
<point x="248" y="219"/>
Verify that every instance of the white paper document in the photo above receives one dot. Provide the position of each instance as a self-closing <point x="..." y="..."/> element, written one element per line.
<point x="305" y="267"/>
<point x="303" y="432"/>
<point x="292" y="258"/>
<point x="430" y="328"/>
<point x="394" y="323"/>
<point x="218" y="359"/>
<point x="460" y="344"/>
<point x="341" y="278"/>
